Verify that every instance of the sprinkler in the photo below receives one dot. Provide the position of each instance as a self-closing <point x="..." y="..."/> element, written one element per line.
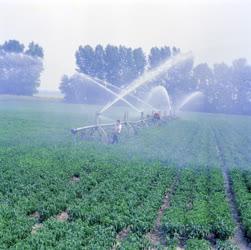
<point x="104" y="131"/>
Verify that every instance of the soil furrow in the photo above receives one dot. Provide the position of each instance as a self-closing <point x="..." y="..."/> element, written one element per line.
<point x="121" y="236"/>
<point x="239" y="237"/>
<point x="156" y="235"/>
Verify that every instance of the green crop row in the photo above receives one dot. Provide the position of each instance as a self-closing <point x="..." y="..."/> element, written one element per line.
<point x="193" y="212"/>
<point x="241" y="187"/>
<point x="108" y="196"/>
<point x="198" y="244"/>
<point x="116" y="186"/>
<point x="235" y="142"/>
<point x="198" y="212"/>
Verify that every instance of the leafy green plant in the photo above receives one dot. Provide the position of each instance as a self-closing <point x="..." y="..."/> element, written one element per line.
<point x="197" y="244"/>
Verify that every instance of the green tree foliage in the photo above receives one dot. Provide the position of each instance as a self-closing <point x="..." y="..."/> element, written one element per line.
<point x="178" y="80"/>
<point x="20" y="70"/>
<point x="118" y="65"/>
<point x="139" y="60"/>
<point x="158" y="56"/>
<point x="99" y="62"/>
<point x="227" y="89"/>
<point x="35" y="50"/>
<point x="13" y="46"/>
<point x="78" y="89"/>
<point x="241" y="73"/>
<point x="85" y="60"/>
<point x="203" y="75"/>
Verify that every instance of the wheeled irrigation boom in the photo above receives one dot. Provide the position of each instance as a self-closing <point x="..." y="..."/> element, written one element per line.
<point x="103" y="131"/>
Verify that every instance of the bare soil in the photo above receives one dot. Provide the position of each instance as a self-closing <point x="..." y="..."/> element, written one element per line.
<point x="35" y="215"/>
<point x="75" y="178"/>
<point x="121" y="236"/>
<point x="156" y="235"/>
<point x="64" y="216"/>
<point x="36" y="227"/>
<point x="239" y="238"/>
<point x="180" y="248"/>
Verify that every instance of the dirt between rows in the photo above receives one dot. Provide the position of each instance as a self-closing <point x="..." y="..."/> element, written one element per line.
<point x="63" y="216"/>
<point x="239" y="238"/>
<point x="156" y="235"/>
<point x="121" y="236"/>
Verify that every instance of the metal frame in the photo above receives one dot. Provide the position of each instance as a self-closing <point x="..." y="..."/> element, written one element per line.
<point x="103" y="131"/>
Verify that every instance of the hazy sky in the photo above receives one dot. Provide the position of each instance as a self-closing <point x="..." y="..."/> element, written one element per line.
<point x="214" y="30"/>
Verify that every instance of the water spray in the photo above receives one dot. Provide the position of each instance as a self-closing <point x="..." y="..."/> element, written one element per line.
<point x="111" y="92"/>
<point x="105" y="84"/>
<point x="103" y="131"/>
<point x="147" y="77"/>
<point x="188" y="99"/>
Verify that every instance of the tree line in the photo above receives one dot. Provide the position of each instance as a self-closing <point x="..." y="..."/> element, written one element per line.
<point x="118" y="65"/>
<point x="20" y="67"/>
<point x="226" y="88"/>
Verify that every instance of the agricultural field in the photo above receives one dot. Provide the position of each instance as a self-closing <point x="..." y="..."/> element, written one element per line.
<point x="183" y="185"/>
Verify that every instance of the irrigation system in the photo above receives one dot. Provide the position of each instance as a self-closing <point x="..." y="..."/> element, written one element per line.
<point x="157" y="116"/>
<point x="103" y="131"/>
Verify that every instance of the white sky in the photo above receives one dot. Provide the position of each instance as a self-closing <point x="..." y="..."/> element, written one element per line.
<point x="214" y="30"/>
